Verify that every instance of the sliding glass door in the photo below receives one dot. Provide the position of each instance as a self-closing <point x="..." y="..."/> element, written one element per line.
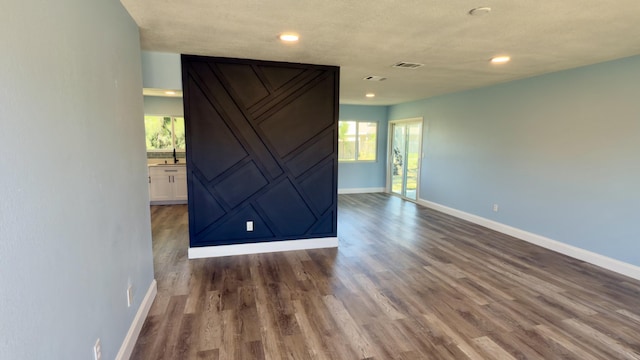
<point x="404" y="157"/>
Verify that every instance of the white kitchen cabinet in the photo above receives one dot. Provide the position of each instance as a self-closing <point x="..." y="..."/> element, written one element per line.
<point x="167" y="184"/>
<point x="180" y="186"/>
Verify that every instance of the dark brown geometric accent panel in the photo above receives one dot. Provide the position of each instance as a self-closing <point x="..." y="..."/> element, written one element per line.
<point x="212" y="210"/>
<point x="317" y="183"/>
<point x="240" y="185"/>
<point x="219" y="148"/>
<point x="297" y="123"/>
<point x="261" y="147"/>
<point x="248" y="87"/>
<point x="293" y="215"/>
<point x="323" y="148"/>
<point x="277" y="76"/>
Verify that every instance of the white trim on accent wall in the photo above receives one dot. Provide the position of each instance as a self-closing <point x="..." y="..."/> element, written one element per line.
<point x="361" y="190"/>
<point x="134" y="330"/>
<point x="608" y="263"/>
<point x="262" y="247"/>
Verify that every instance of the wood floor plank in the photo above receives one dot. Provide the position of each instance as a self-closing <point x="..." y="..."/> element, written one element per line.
<point x="168" y="333"/>
<point x="229" y="337"/>
<point x="519" y="349"/>
<point x="247" y="315"/>
<point x="407" y="282"/>
<point x="458" y="287"/>
<point x="208" y="355"/>
<point x="147" y="337"/>
<point x="560" y="339"/>
<point x="211" y="318"/>
<point x="356" y="336"/>
<point x="270" y="340"/>
<point x="384" y="304"/>
<point x="588" y="332"/>
<point x="453" y="335"/>
<point x="310" y="333"/>
<point x="492" y="349"/>
<point x="629" y="314"/>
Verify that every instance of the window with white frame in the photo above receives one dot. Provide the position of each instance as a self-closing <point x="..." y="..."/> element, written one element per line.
<point x="164" y="133"/>
<point x="357" y="140"/>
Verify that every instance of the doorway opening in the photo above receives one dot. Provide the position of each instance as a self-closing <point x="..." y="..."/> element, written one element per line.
<point x="404" y="157"/>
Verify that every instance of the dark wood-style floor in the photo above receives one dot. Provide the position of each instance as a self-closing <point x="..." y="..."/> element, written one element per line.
<point x="406" y="283"/>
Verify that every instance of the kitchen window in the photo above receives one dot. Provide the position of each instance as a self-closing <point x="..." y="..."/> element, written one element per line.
<point x="164" y="133"/>
<point x="357" y="141"/>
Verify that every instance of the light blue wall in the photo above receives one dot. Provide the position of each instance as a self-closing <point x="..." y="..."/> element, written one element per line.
<point x="559" y="153"/>
<point x="365" y="174"/>
<point x="74" y="209"/>
<point x="159" y="105"/>
<point x="161" y="70"/>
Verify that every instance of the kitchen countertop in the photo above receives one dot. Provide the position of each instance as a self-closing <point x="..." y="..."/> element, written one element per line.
<point x="178" y="164"/>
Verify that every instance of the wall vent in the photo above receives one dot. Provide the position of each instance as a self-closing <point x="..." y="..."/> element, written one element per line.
<point x="406" y="65"/>
<point x="374" y="78"/>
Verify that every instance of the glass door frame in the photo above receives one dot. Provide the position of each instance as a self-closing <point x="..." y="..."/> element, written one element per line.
<point x="390" y="134"/>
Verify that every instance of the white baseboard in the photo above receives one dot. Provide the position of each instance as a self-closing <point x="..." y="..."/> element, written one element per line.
<point x="169" y="202"/>
<point x="262" y="247"/>
<point x="361" y="190"/>
<point x="608" y="263"/>
<point x="134" y="330"/>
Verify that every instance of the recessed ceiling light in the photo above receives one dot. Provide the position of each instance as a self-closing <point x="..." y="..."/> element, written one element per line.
<point x="500" y="59"/>
<point x="479" y="11"/>
<point x="370" y="95"/>
<point x="289" y="37"/>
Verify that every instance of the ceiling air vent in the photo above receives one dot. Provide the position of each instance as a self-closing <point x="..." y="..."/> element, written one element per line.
<point x="406" y="65"/>
<point x="375" y="78"/>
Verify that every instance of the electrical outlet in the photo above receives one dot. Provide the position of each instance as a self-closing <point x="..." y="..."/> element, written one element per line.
<point x="130" y="296"/>
<point x="495" y="207"/>
<point x="249" y="225"/>
<point x="97" y="350"/>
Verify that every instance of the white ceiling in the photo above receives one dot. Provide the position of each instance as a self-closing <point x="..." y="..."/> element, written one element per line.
<point x="367" y="37"/>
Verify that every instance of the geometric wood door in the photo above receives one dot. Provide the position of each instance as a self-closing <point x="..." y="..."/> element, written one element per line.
<point x="261" y="142"/>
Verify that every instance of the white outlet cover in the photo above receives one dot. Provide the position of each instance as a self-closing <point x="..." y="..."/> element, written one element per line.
<point x="249" y="225"/>
<point x="97" y="350"/>
<point x="130" y="296"/>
